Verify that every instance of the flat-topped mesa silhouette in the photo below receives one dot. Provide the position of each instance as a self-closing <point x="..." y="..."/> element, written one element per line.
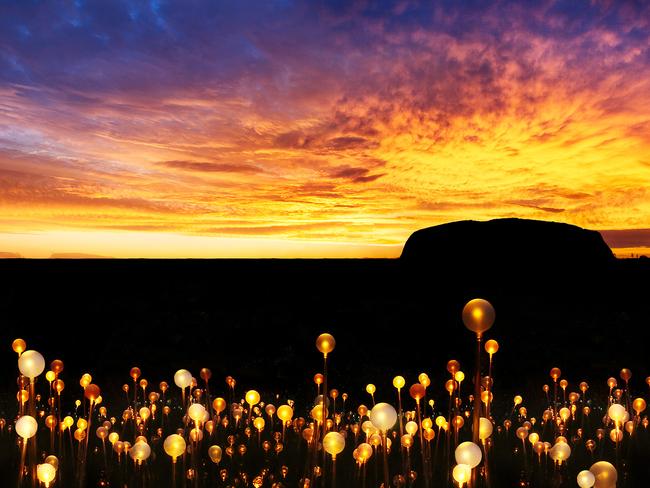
<point x="508" y="247"/>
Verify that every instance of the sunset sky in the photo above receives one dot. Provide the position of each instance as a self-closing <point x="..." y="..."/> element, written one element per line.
<point x="317" y="129"/>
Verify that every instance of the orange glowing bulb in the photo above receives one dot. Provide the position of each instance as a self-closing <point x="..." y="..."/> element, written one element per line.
<point x="56" y="366"/>
<point x="325" y="343"/>
<point x="19" y="346"/>
<point x="639" y="405"/>
<point x="450" y="386"/>
<point x="478" y="316"/>
<point x="219" y="405"/>
<point x="135" y="373"/>
<point x="417" y="391"/>
<point x="453" y="366"/>
<point x="491" y="347"/>
<point x="625" y="374"/>
<point x="92" y="392"/>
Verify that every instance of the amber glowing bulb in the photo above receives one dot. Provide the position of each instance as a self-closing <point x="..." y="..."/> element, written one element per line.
<point x="625" y="374"/>
<point x="478" y="316"/>
<point x="639" y="405"/>
<point x="555" y="374"/>
<point x="325" y="343"/>
<point x="453" y="366"/>
<point x="19" y="346"/>
<point x="56" y="366"/>
<point x="417" y="392"/>
<point x="491" y="347"/>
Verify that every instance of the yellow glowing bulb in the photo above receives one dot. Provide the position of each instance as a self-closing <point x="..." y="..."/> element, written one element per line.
<point x="461" y="474"/>
<point x="174" y="446"/>
<point x="258" y="423"/>
<point x="45" y="473"/>
<point x="252" y="397"/>
<point x="284" y="413"/>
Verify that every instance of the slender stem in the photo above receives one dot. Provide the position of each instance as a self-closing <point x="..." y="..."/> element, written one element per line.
<point x="32" y="412"/>
<point x="399" y="406"/>
<point x="23" y="453"/>
<point x="424" y="464"/>
<point x="385" y="449"/>
<point x="489" y="389"/>
<point x="477" y="405"/>
<point x="105" y="456"/>
<point x="324" y="397"/>
<point x="477" y="392"/>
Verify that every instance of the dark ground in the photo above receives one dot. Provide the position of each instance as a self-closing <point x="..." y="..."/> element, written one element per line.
<point x="257" y="320"/>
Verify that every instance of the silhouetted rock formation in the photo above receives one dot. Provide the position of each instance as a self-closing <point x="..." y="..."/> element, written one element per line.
<point x="507" y="247"/>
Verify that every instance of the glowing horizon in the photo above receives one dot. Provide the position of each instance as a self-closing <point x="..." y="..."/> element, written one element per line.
<point x="168" y="245"/>
<point x="317" y="129"/>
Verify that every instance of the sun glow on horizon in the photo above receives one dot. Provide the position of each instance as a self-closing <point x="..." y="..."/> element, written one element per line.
<point x="129" y="245"/>
<point x="66" y="244"/>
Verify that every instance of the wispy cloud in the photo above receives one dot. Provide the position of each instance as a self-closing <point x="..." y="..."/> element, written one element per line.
<point x="212" y="167"/>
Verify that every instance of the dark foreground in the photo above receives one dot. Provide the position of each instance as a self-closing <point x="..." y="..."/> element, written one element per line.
<point x="257" y="321"/>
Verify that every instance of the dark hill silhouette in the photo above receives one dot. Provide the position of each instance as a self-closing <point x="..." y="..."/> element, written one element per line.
<point x="506" y="247"/>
